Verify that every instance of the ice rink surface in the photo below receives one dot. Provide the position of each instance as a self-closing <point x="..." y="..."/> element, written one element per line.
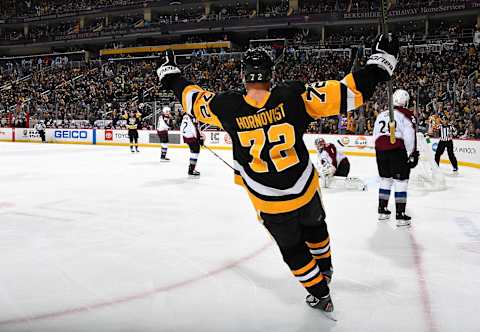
<point x="98" y="239"/>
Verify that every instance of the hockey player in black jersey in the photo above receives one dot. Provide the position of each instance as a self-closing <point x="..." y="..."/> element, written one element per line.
<point x="271" y="161"/>
<point x="133" y="121"/>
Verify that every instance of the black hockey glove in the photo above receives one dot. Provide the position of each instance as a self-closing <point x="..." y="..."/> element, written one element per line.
<point x="169" y="67"/>
<point x="202" y="141"/>
<point x="385" y="52"/>
<point x="413" y="159"/>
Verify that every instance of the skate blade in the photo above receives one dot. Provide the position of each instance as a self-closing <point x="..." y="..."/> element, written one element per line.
<point x="383" y="218"/>
<point x="194" y="176"/>
<point x="330" y="315"/>
<point x="404" y="225"/>
<point x="164" y="161"/>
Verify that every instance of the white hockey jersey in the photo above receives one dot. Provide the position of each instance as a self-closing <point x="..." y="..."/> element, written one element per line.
<point x="162" y="124"/>
<point x="188" y="128"/>
<point x="330" y="155"/>
<point x="404" y="131"/>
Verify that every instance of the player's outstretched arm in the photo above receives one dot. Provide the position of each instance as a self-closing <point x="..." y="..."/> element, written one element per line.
<point x="195" y="100"/>
<point x="333" y="97"/>
<point x="380" y="65"/>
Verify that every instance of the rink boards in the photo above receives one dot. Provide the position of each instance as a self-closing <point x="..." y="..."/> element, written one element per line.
<point x="467" y="151"/>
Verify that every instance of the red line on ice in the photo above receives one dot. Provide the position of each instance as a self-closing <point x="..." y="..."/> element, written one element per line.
<point x="427" y="307"/>
<point x="133" y="297"/>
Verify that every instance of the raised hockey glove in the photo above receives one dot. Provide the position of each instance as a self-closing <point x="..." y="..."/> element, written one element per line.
<point x="413" y="159"/>
<point x="385" y="52"/>
<point x="169" y="67"/>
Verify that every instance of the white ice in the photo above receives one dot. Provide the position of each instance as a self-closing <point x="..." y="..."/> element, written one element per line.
<point x="98" y="239"/>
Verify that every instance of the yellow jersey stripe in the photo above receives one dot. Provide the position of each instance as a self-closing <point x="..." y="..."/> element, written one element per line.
<point x="275" y="207"/>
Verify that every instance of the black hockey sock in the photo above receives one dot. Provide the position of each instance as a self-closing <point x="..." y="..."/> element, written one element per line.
<point x="193" y="159"/>
<point x="382" y="203"/>
<point x="400" y="207"/>
<point x="305" y="269"/>
<point x="317" y="240"/>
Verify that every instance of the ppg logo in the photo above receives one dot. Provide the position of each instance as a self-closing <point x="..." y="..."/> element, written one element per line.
<point x="76" y="134"/>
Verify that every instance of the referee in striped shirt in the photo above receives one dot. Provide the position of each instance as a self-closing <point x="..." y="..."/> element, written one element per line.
<point x="446" y="141"/>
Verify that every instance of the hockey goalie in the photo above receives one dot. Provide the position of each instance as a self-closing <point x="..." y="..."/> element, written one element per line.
<point x="333" y="167"/>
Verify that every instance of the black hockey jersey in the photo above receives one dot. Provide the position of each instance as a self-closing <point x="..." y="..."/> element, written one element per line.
<point x="132" y="121"/>
<point x="270" y="158"/>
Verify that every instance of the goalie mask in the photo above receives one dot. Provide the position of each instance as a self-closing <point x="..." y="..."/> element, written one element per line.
<point x="166" y="110"/>
<point x="320" y="144"/>
<point x="257" y="66"/>
<point x="400" y="98"/>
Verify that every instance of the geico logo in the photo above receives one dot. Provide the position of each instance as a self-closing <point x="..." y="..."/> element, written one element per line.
<point x="77" y="134"/>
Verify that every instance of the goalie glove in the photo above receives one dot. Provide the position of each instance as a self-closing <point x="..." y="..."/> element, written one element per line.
<point x="169" y="67"/>
<point x="385" y="52"/>
<point x="327" y="170"/>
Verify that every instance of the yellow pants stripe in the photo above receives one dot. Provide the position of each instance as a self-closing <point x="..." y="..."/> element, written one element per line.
<point x="318" y="245"/>
<point x="306" y="268"/>
<point x="313" y="282"/>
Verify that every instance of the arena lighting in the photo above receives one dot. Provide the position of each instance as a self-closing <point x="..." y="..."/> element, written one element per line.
<point x="173" y="3"/>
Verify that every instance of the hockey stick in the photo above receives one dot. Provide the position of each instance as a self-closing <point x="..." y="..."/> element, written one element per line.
<point x="216" y="155"/>
<point x="357" y="52"/>
<point x="384" y="8"/>
<point x="204" y="127"/>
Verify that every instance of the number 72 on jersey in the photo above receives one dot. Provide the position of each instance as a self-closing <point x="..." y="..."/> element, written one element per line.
<point x="283" y="155"/>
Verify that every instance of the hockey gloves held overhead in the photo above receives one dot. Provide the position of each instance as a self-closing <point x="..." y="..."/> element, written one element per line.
<point x="169" y="67"/>
<point x="413" y="159"/>
<point x="385" y="52"/>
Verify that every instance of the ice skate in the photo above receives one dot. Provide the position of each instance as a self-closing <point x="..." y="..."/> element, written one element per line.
<point x="383" y="214"/>
<point x="324" y="304"/>
<point x="193" y="174"/>
<point x="403" y="220"/>
<point x="164" y="159"/>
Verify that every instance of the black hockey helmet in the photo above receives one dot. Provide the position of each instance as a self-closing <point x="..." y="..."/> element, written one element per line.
<point x="257" y="65"/>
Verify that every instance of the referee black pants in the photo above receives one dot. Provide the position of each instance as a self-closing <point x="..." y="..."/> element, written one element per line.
<point x="441" y="148"/>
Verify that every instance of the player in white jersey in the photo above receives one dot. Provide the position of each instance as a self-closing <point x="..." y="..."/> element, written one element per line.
<point x="334" y="162"/>
<point x="191" y="136"/>
<point x="162" y="131"/>
<point x="394" y="161"/>
<point x="334" y="167"/>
